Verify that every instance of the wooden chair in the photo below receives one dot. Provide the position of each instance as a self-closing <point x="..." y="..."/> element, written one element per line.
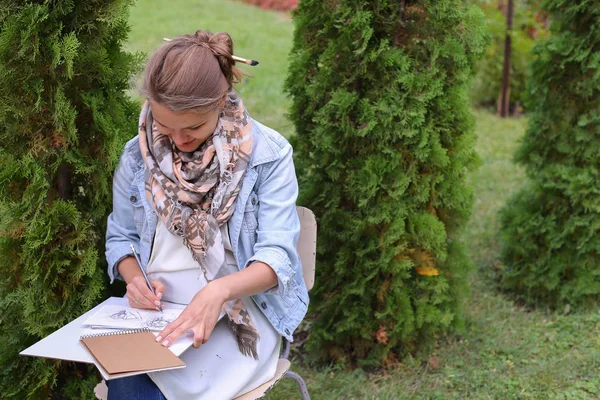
<point x="307" y="249"/>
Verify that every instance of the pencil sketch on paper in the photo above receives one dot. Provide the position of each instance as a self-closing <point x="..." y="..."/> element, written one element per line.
<point x="125" y="314"/>
<point x="158" y="322"/>
<point x="110" y="316"/>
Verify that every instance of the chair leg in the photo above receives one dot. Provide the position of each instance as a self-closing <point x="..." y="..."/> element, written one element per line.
<point x="286" y="349"/>
<point x="300" y="382"/>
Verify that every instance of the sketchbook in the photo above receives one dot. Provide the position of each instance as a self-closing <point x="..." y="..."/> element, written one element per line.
<point x="125" y="317"/>
<point x="130" y="351"/>
<point x="65" y="343"/>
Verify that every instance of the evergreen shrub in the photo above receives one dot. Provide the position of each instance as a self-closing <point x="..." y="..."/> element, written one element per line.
<point x="384" y="141"/>
<point x="64" y="118"/>
<point x="551" y="227"/>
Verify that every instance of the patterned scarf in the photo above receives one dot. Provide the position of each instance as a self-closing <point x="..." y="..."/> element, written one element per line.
<point x="195" y="193"/>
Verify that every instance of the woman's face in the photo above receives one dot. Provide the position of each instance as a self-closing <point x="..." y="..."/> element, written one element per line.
<point x="187" y="129"/>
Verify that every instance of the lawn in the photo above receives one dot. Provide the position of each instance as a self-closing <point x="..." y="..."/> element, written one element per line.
<point x="259" y="35"/>
<point x="507" y="351"/>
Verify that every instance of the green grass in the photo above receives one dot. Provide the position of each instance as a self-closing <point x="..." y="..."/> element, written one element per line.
<point x="507" y="352"/>
<point x="259" y="35"/>
<point x="493" y="181"/>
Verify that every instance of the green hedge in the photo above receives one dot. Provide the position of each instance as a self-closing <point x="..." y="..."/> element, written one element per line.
<point x="384" y="141"/>
<point x="64" y="118"/>
<point x="551" y="228"/>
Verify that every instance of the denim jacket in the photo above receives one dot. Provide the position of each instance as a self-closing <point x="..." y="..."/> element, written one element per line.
<point x="264" y="226"/>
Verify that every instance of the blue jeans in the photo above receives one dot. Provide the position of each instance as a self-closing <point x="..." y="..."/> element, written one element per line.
<point x="137" y="387"/>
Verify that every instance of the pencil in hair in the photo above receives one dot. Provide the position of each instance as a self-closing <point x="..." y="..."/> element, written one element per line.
<point x="235" y="58"/>
<point x="243" y="60"/>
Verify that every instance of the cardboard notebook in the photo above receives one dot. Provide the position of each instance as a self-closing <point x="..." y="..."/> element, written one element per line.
<point x="130" y="352"/>
<point x="66" y="343"/>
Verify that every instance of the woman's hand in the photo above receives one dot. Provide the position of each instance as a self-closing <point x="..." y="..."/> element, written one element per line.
<point x="138" y="293"/>
<point x="140" y="296"/>
<point x="200" y="316"/>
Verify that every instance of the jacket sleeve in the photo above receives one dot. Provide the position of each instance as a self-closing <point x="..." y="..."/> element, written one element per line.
<point x="278" y="224"/>
<point x="121" y="229"/>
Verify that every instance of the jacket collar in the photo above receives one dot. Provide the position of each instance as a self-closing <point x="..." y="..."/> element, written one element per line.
<point x="264" y="150"/>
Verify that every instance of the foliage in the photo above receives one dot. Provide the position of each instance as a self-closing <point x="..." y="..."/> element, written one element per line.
<point x="64" y="117"/>
<point x="529" y="25"/>
<point x="384" y="141"/>
<point x="507" y="351"/>
<point x="551" y="228"/>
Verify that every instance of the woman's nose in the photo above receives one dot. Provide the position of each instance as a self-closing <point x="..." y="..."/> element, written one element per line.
<point x="180" y="137"/>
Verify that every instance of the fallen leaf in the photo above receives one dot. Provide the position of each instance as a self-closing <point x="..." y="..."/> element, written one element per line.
<point x="381" y="335"/>
<point x="427" y="271"/>
<point x="434" y="363"/>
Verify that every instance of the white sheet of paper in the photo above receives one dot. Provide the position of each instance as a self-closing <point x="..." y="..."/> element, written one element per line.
<point x="125" y="317"/>
<point x="64" y="344"/>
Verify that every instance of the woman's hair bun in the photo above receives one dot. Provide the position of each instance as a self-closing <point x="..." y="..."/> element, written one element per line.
<point x="221" y="46"/>
<point x="192" y="71"/>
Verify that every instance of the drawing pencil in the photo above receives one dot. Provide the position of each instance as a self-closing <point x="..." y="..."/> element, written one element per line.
<point x="245" y="61"/>
<point x="139" y="263"/>
<point x="235" y="58"/>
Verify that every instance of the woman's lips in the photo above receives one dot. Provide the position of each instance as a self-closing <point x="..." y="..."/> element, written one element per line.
<point x="186" y="143"/>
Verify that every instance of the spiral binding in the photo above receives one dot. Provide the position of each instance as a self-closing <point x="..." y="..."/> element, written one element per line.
<point x="114" y="333"/>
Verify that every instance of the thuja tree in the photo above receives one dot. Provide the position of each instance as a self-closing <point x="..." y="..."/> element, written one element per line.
<point x="384" y="141"/>
<point x="63" y="120"/>
<point x="551" y="228"/>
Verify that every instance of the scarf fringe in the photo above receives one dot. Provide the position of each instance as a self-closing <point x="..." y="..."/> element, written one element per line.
<point x="246" y="337"/>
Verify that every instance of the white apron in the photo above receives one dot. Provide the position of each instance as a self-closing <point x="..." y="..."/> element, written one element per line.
<point x="217" y="370"/>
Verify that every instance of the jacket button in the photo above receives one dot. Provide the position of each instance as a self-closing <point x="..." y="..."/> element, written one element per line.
<point x="253" y="201"/>
<point x="133" y="199"/>
<point x="287" y="331"/>
<point x="263" y="305"/>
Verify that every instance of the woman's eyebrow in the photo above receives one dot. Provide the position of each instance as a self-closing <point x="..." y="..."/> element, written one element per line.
<point x="196" y="125"/>
<point x="191" y="126"/>
<point x="155" y="120"/>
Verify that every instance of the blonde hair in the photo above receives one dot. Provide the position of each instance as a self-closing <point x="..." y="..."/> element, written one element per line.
<point x="191" y="72"/>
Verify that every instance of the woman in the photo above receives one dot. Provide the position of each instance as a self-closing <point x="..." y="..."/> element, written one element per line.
<point x="207" y="196"/>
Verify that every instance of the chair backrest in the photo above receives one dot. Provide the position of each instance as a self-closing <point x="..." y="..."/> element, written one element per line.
<point x="307" y="244"/>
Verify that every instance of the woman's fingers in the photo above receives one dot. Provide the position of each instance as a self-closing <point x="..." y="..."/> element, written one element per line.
<point x="173" y="331"/>
<point x="131" y="298"/>
<point x="207" y="332"/>
<point x="136" y="299"/>
<point x="159" y="288"/>
<point x="200" y="316"/>
<point x="199" y="336"/>
<point x="150" y="299"/>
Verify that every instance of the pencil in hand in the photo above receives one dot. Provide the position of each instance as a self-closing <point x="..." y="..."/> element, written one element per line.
<point x="139" y="263"/>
